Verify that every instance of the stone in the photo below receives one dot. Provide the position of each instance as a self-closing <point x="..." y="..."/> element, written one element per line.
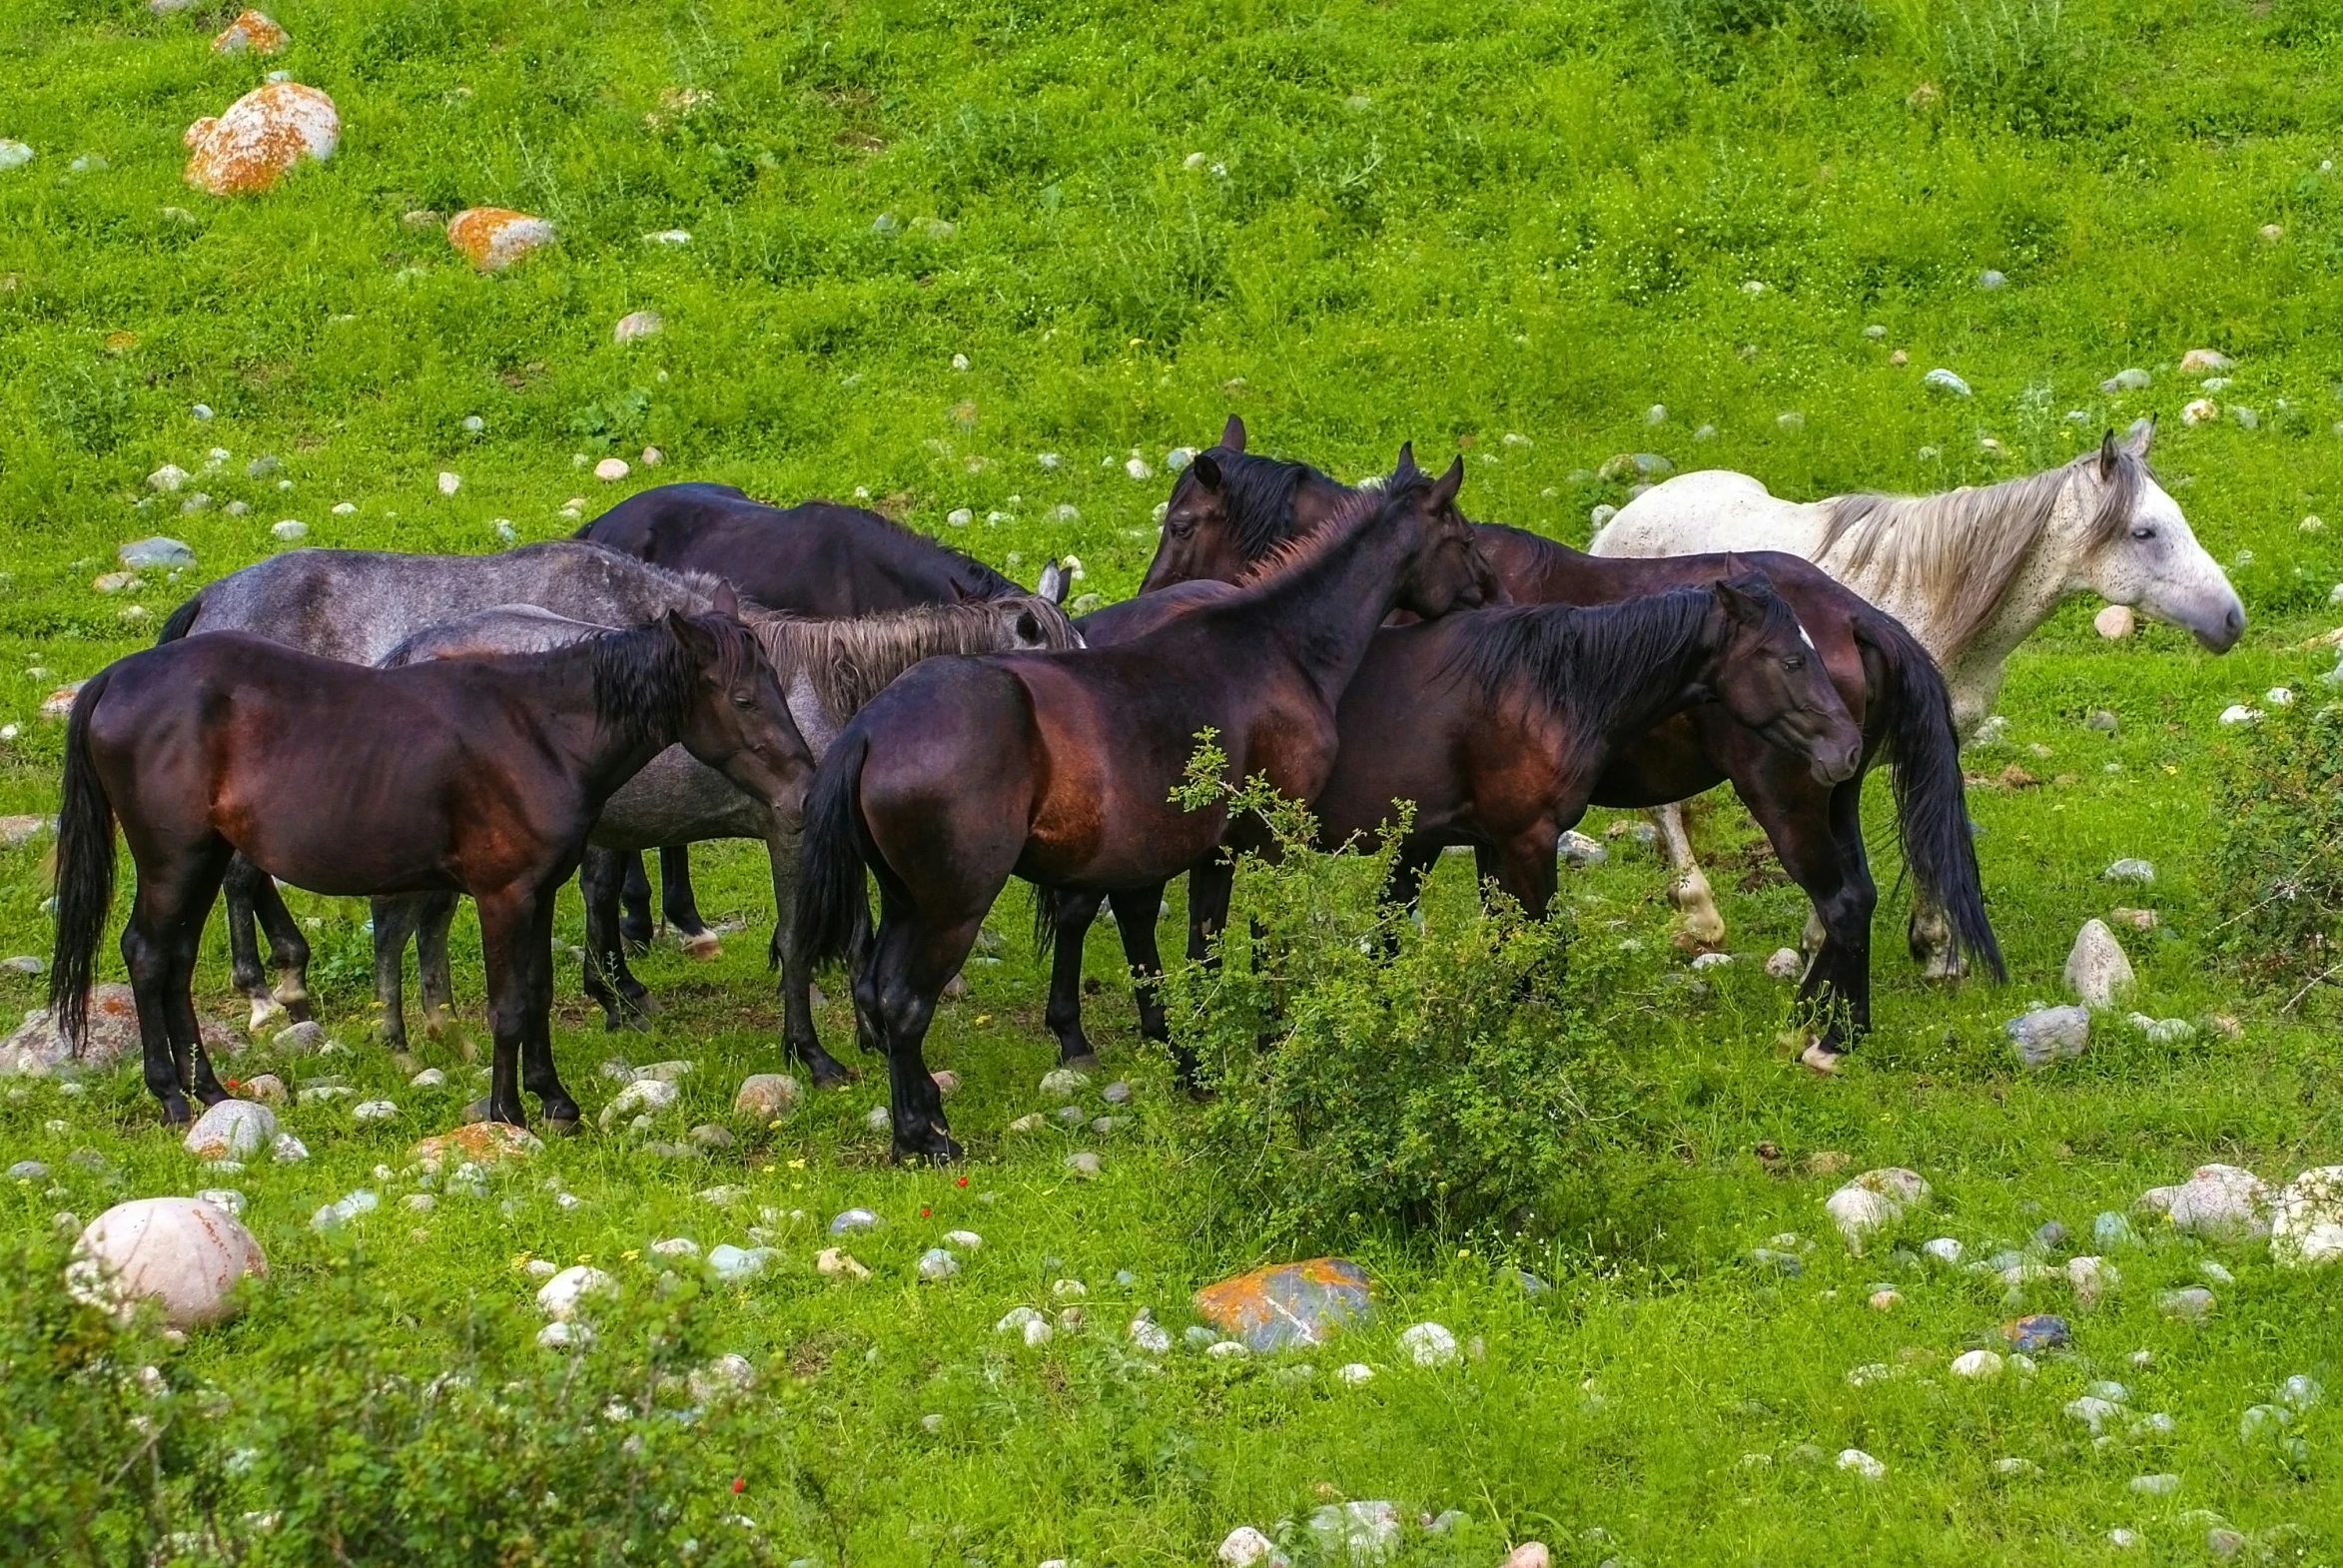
<point x="258" y="138"/>
<point x="637" y="325"/>
<point x="1707" y="961"/>
<point x="226" y="1198"/>
<point x="2199" y="411"/>
<point x="1428" y="1344"/>
<point x="2096" y="969"/>
<point x="2130" y="378"/>
<point x="1784" y="964"/>
<point x="722" y="1377"/>
<point x="2306" y="1222"/>
<point x="1083" y="1163"/>
<point x="2204" y="361"/>
<point x="422" y="1202"/>
<point x="2047" y="1033"/>
<point x="1031" y="1122"/>
<point x="731" y="1264"/>
<point x="2217" y="1201"/>
<point x="1357" y="1531"/>
<point x="1116" y="1094"/>
<point x="1873" y="1202"/>
<point x="947" y="1082"/>
<point x="1149" y="1336"/>
<point x="936" y="1264"/>
<point x="2041" y="1331"/>
<point x="253" y="31"/>
<point x="2130" y="870"/>
<point x="290" y="530"/>
<point x="2111" y="1230"/>
<point x="676" y="1247"/>
<point x="964" y="1241"/>
<point x="709" y="1136"/>
<point x="308" y="1034"/>
<point x="1979" y="1364"/>
<point x="27" y="965"/>
<point x="184" y="1255"/>
<point x="1244" y="1546"/>
<point x="375" y="1111"/>
<point x="2162" y="1484"/>
<point x="479" y="1143"/>
<point x="1576" y="849"/>
<point x="428" y="1078"/>
<point x="1946" y="382"/>
<point x="612" y="469"/>
<point x="23" y="829"/>
<point x="1530" y="1554"/>
<point x="14" y="154"/>
<point x="566" y="1295"/>
<point x="2191" y="1303"/>
<point x="36" y="1050"/>
<point x="838" y="1264"/>
<point x="854" y="1220"/>
<point x="643" y="1097"/>
<point x="2238" y="713"/>
<point x="286" y="1149"/>
<point x="158" y="551"/>
<point x="1063" y="1082"/>
<point x="1288" y="1304"/>
<point x="230" y="1130"/>
<point x="2213" y="1273"/>
<point x="28" y="1170"/>
<point x="565" y="1336"/>
<point x="335" y="1216"/>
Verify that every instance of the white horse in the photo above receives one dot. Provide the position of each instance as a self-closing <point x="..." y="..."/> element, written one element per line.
<point x="1972" y="572"/>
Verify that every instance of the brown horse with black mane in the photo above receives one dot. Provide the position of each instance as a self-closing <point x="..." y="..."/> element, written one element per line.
<point x="481" y="776"/>
<point x="1059" y="767"/>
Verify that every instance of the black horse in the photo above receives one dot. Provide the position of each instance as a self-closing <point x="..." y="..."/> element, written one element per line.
<point x="478" y="776"/>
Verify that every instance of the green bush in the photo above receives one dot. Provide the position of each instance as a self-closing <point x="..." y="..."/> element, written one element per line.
<point x="2024" y="65"/>
<point x="2279" y="860"/>
<point x="1367" y="1071"/>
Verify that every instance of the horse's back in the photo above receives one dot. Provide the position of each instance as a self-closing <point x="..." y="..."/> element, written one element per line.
<point x="1708" y="510"/>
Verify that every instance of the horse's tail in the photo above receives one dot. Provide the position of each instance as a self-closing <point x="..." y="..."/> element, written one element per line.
<point x="1047" y="911"/>
<point x="84" y="870"/>
<point x="837" y="848"/>
<point x="182" y="620"/>
<point x="1931" y="807"/>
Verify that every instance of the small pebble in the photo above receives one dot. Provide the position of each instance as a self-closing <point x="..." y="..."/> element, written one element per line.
<point x="853" y="1219"/>
<point x="2162" y="1484"/>
<point x="1082" y="1163"/>
<point x="937" y="1265"/>
<point x="1428" y="1344"/>
<point x="1860" y="1463"/>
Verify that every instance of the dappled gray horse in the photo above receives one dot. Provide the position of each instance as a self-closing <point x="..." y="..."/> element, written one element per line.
<point x="827" y="668"/>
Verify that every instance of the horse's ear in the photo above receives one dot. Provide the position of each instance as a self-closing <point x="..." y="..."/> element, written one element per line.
<point x="2110" y="456"/>
<point x="1740" y="603"/>
<point x="1444" y="488"/>
<point x="1406" y="464"/>
<point x="1052" y="584"/>
<point x="1207" y="472"/>
<point x="1232" y="433"/>
<point x="2143" y="432"/>
<point x="691" y="635"/>
<point x="726" y="602"/>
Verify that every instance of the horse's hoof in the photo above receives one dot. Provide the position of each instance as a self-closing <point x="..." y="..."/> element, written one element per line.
<point x="830" y="1073"/>
<point x="266" y="1011"/>
<point x="564" y="1126"/>
<point x="1821" y="1058"/>
<point x="1080" y="1061"/>
<point x="702" y="945"/>
<point x="176" y="1113"/>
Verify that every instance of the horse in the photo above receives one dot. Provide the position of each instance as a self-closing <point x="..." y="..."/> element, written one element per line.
<point x="818" y="558"/>
<point x="355" y="607"/>
<point x="828" y="670"/>
<point x="480" y="776"/>
<point x="1883" y="676"/>
<point x="1059" y="768"/>
<point x="1972" y="572"/>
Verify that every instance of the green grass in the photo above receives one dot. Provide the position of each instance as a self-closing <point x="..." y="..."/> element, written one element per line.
<point x="1437" y="223"/>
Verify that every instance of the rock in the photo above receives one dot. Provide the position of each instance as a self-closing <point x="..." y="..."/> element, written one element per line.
<point x="709" y="1136"/>
<point x="28" y="1170"/>
<point x="2046" y="1034"/>
<point x="2306" y="1223"/>
<point x="1063" y="1082"/>
<point x="1873" y="1202"/>
<point x="290" y="529"/>
<point x="564" y="1335"/>
<point x="1116" y="1094"/>
<point x="965" y="1240"/>
<point x="722" y="1377"/>
<point x="23" y="829"/>
<point x="2191" y="1303"/>
<point x="479" y="1143"/>
<point x="344" y="1210"/>
<point x="14" y="154"/>
<point x="226" y="1198"/>
<point x="1428" y="1344"/>
<point x="854" y="1220"/>
<point x="375" y="1111"/>
<point x="645" y="1096"/>
<point x="27" y="965"/>
<point x="250" y="31"/>
<point x="2091" y="1277"/>
<point x="1576" y="849"/>
<point x="1530" y="1554"/>
<point x="1083" y="1163"/>
<point x="1149" y="1336"/>
<point x="2128" y="379"/>
<point x="565" y="1296"/>
<point x="308" y="1034"/>
<point x="1945" y="380"/>
<point x="230" y="1130"/>
<point x="286" y="1149"/>
<point x="947" y="1082"/>
<point x="937" y="1265"/>
<point x="2111" y="1230"/>
<point x="1244" y="1546"/>
<point x="637" y="324"/>
<point x="676" y="1247"/>
<point x="1358" y="1532"/>
<point x="612" y="469"/>
<point x="838" y="1264"/>
<point x="2128" y="870"/>
<point x="1031" y="1122"/>
<point x="183" y="1253"/>
<point x="36" y="1050"/>
<point x="1707" y="961"/>
<point x="2096" y="969"/>
<point x="2238" y="713"/>
<point x="2163" y="1484"/>
<point x="1976" y="1364"/>
<point x="259" y="137"/>
<point x="157" y="551"/>
<point x="2204" y="361"/>
<point x="493" y="238"/>
<point x="421" y="1203"/>
<point x="2201" y="410"/>
<point x="1784" y="964"/>
<point x="1289" y="1303"/>
<point x="2042" y="1331"/>
<point x="428" y="1078"/>
<point x="731" y="1264"/>
<point x="2221" y="1203"/>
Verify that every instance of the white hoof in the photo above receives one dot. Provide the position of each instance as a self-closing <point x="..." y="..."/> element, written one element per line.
<point x="265" y="1012"/>
<point x="1820" y="1061"/>
<point x="704" y="946"/>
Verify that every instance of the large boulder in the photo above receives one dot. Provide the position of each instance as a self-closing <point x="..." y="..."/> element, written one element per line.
<point x="480" y="1143"/>
<point x="1289" y="1303"/>
<point x="37" y="1049"/>
<point x="182" y="1253"/>
<point x="2222" y="1202"/>
<point x="259" y="137"/>
<point x="2306" y="1225"/>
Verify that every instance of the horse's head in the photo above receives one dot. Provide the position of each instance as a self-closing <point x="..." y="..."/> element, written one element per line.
<point x="2139" y="550"/>
<point x="736" y="719"/>
<point x="1766" y="672"/>
<point x="1198" y="537"/>
<point x="1030" y="623"/>
<point x="1445" y="569"/>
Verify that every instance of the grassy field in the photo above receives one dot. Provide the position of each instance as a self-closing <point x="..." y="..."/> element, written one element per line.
<point x="1507" y="230"/>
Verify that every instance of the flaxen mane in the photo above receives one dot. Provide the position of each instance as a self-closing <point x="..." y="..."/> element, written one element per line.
<point x="1962" y="552"/>
<point x="848" y="663"/>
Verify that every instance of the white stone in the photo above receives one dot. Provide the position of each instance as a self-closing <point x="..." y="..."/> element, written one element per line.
<point x="231" y="1129"/>
<point x="2096" y="969"/>
<point x="2092" y="1410"/>
<point x="225" y="1198"/>
<point x="647" y="1096"/>
<point x="374" y="1111"/>
<point x="2130" y="870"/>
<point x="286" y="1149"/>
<point x="1712" y="961"/>
<point x="1083" y="1163"/>
<point x="1784" y="964"/>
<point x="838" y="1264"/>
<point x="15" y="155"/>
<point x="1946" y="381"/>
<point x="937" y="1265"/>
<point x="2204" y="361"/>
<point x="2092" y="1278"/>
<point x="428" y="1078"/>
<point x="2238" y="713"/>
<point x="333" y="1216"/>
<point x="1063" y="1082"/>
<point x="766" y="1095"/>
<point x="1428" y="1344"/>
<point x="1576" y="849"/>
<point x="2306" y="1225"/>
<point x="733" y="1263"/>
<point x="1228" y="1349"/>
<point x="1976" y="1364"/>
<point x="185" y="1254"/>
<point x="1860" y="1463"/>
<point x="564" y="1295"/>
<point x="726" y="1375"/>
<point x="1149" y="1336"/>
<point x="637" y="325"/>
<point x="1246" y="1546"/>
<point x="676" y="1247"/>
<point x="611" y="468"/>
<point x="1354" y="1373"/>
<point x="1873" y="1201"/>
<point x="2221" y="1203"/>
<point x="565" y="1336"/>
<point x="965" y="1240"/>
<point x="168" y="477"/>
<point x="2201" y="410"/>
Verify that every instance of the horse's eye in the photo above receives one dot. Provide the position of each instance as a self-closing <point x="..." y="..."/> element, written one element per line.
<point x="1794" y="662"/>
<point x="741" y="699"/>
<point x="1181" y="527"/>
<point x="2143" y="532"/>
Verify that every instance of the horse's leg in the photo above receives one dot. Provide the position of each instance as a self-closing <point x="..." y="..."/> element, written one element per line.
<point x="1817" y="833"/>
<point x="1062" y="1016"/>
<point x="508" y="915"/>
<point x="158" y="949"/>
<point x="910" y="961"/>
<point x="635" y="924"/>
<point x="861" y="953"/>
<point x="438" y="913"/>
<point x="289" y="950"/>
<point x="1929" y="937"/>
<point x="1135" y="914"/>
<point x="244" y="948"/>
<point x="1703" y="926"/>
<point x="626" y="1001"/>
<point x="1526" y="870"/>
<point x="252" y="899"/>
<point x="682" y="910"/>
<point x="534" y="958"/>
<point x="799" y="1038"/>
<point x="396" y="917"/>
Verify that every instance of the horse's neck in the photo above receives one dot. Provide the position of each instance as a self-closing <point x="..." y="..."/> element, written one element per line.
<point x="1326" y="608"/>
<point x="1624" y="709"/>
<point x="558" y="688"/>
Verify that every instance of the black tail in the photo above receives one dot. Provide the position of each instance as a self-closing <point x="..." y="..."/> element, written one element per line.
<point x="837" y="848"/>
<point x="1931" y="807"/>
<point x="84" y="870"/>
<point x="182" y="620"/>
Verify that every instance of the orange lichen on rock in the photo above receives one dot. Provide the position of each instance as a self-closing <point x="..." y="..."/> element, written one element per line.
<point x="252" y="30"/>
<point x="493" y="238"/>
<point x="263" y="134"/>
<point x="482" y="1143"/>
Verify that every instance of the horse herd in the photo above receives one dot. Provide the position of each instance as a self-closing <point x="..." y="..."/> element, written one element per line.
<point x="877" y="707"/>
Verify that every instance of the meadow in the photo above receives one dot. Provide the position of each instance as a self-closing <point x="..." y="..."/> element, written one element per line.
<point x="986" y="265"/>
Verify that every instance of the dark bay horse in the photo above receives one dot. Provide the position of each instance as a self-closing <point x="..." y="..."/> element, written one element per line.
<point x="1883" y="676"/>
<point x="480" y="776"/>
<point x="1059" y="768"/>
<point x="818" y="558"/>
